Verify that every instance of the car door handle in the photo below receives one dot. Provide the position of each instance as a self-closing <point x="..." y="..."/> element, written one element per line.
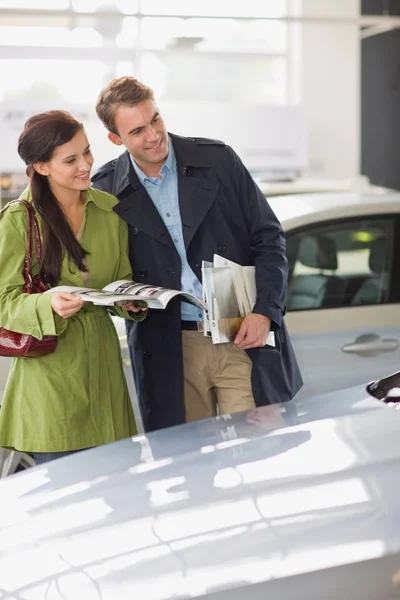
<point x="371" y="344"/>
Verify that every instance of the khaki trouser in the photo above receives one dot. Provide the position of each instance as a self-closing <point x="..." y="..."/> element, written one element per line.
<point x="217" y="378"/>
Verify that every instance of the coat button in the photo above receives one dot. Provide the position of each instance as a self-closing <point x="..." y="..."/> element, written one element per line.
<point x="135" y="230"/>
<point x="222" y="248"/>
<point x="143" y="272"/>
<point x="147" y="354"/>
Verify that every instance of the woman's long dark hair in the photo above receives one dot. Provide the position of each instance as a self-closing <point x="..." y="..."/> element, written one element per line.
<point x="42" y="134"/>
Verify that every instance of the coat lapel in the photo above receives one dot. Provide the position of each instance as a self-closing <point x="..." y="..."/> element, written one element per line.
<point x="138" y="210"/>
<point x="135" y="206"/>
<point x="196" y="196"/>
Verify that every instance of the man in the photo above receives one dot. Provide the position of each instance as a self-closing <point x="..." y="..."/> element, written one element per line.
<point x="185" y="199"/>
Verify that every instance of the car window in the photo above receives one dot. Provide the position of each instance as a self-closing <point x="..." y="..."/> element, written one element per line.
<point x="340" y="264"/>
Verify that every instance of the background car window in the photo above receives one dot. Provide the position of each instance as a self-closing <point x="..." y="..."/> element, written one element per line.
<point x="342" y="264"/>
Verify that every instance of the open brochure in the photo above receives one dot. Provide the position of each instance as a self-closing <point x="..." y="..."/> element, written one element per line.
<point x="128" y="291"/>
<point x="229" y="290"/>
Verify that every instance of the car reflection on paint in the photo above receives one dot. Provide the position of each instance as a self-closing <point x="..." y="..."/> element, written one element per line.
<point x="285" y="501"/>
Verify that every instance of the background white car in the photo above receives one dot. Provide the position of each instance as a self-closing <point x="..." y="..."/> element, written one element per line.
<point x="343" y="293"/>
<point x="307" y="185"/>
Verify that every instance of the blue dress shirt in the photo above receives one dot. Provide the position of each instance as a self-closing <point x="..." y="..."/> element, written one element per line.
<point x="163" y="191"/>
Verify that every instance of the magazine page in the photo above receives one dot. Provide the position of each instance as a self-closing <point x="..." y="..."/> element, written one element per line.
<point x="100" y="297"/>
<point x="225" y="301"/>
<point x="206" y="270"/>
<point x="220" y="261"/>
<point x="225" y="318"/>
<point x="244" y="282"/>
<point x="249" y="276"/>
<point x="240" y="291"/>
<point x="205" y="264"/>
<point x="123" y="291"/>
<point x="155" y="296"/>
<point x="208" y="292"/>
<point x="193" y="300"/>
<point x="245" y="287"/>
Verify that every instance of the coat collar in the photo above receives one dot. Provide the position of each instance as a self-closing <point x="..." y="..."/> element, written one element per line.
<point x="102" y="200"/>
<point x="196" y="194"/>
<point x="187" y="155"/>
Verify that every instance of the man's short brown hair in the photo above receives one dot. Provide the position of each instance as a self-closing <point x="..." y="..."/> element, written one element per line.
<point x="122" y="91"/>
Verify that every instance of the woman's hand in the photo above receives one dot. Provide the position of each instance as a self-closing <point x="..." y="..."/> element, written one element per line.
<point x="133" y="306"/>
<point x="65" y="304"/>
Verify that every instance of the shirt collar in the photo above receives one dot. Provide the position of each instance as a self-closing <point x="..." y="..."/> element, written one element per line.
<point x="169" y="165"/>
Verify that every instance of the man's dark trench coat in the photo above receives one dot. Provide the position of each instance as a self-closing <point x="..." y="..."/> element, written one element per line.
<point x="223" y="212"/>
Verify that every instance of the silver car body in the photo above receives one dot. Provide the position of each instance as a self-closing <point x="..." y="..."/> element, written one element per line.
<point x="293" y="501"/>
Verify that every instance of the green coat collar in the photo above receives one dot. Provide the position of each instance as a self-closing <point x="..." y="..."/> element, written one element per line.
<point x="102" y="200"/>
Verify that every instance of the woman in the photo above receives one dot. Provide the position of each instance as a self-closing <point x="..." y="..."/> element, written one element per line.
<point x="75" y="398"/>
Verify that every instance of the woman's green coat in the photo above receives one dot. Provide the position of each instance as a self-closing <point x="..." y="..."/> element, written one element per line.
<point x="76" y="397"/>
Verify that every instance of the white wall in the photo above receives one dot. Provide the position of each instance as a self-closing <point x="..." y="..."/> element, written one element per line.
<point x="324" y="80"/>
<point x="269" y="139"/>
<point x="329" y="82"/>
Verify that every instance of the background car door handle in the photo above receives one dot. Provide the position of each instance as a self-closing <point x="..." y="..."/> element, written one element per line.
<point x="370" y="345"/>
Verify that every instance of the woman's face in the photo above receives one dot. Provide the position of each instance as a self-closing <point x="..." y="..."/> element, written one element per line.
<point x="70" y="166"/>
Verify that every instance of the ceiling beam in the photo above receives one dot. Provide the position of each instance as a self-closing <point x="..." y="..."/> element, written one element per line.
<point x="24" y="13"/>
<point x="113" y="54"/>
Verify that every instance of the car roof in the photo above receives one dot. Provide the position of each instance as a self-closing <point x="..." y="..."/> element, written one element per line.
<point x="309" y="185"/>
<point x="298" y="210"/>
<point x="210" y="507"/>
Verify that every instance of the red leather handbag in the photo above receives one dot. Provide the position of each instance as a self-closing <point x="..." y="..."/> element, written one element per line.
<point x="20" y="344"/>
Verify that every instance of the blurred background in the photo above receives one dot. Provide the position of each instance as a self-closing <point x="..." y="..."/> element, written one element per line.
<point x="306" y="91"/>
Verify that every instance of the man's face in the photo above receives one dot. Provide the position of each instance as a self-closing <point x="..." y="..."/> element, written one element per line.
<point x="143" y="133"/>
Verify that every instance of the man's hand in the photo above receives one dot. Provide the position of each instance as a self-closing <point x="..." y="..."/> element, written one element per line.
<point x="253" y="332"/>
<point x="133" y="306"/>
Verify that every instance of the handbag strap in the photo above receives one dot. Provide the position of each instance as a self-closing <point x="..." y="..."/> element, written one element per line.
<point x="33" y="238"/>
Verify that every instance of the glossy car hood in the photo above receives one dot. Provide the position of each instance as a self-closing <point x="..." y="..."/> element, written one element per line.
<point x="260" y="499"/>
